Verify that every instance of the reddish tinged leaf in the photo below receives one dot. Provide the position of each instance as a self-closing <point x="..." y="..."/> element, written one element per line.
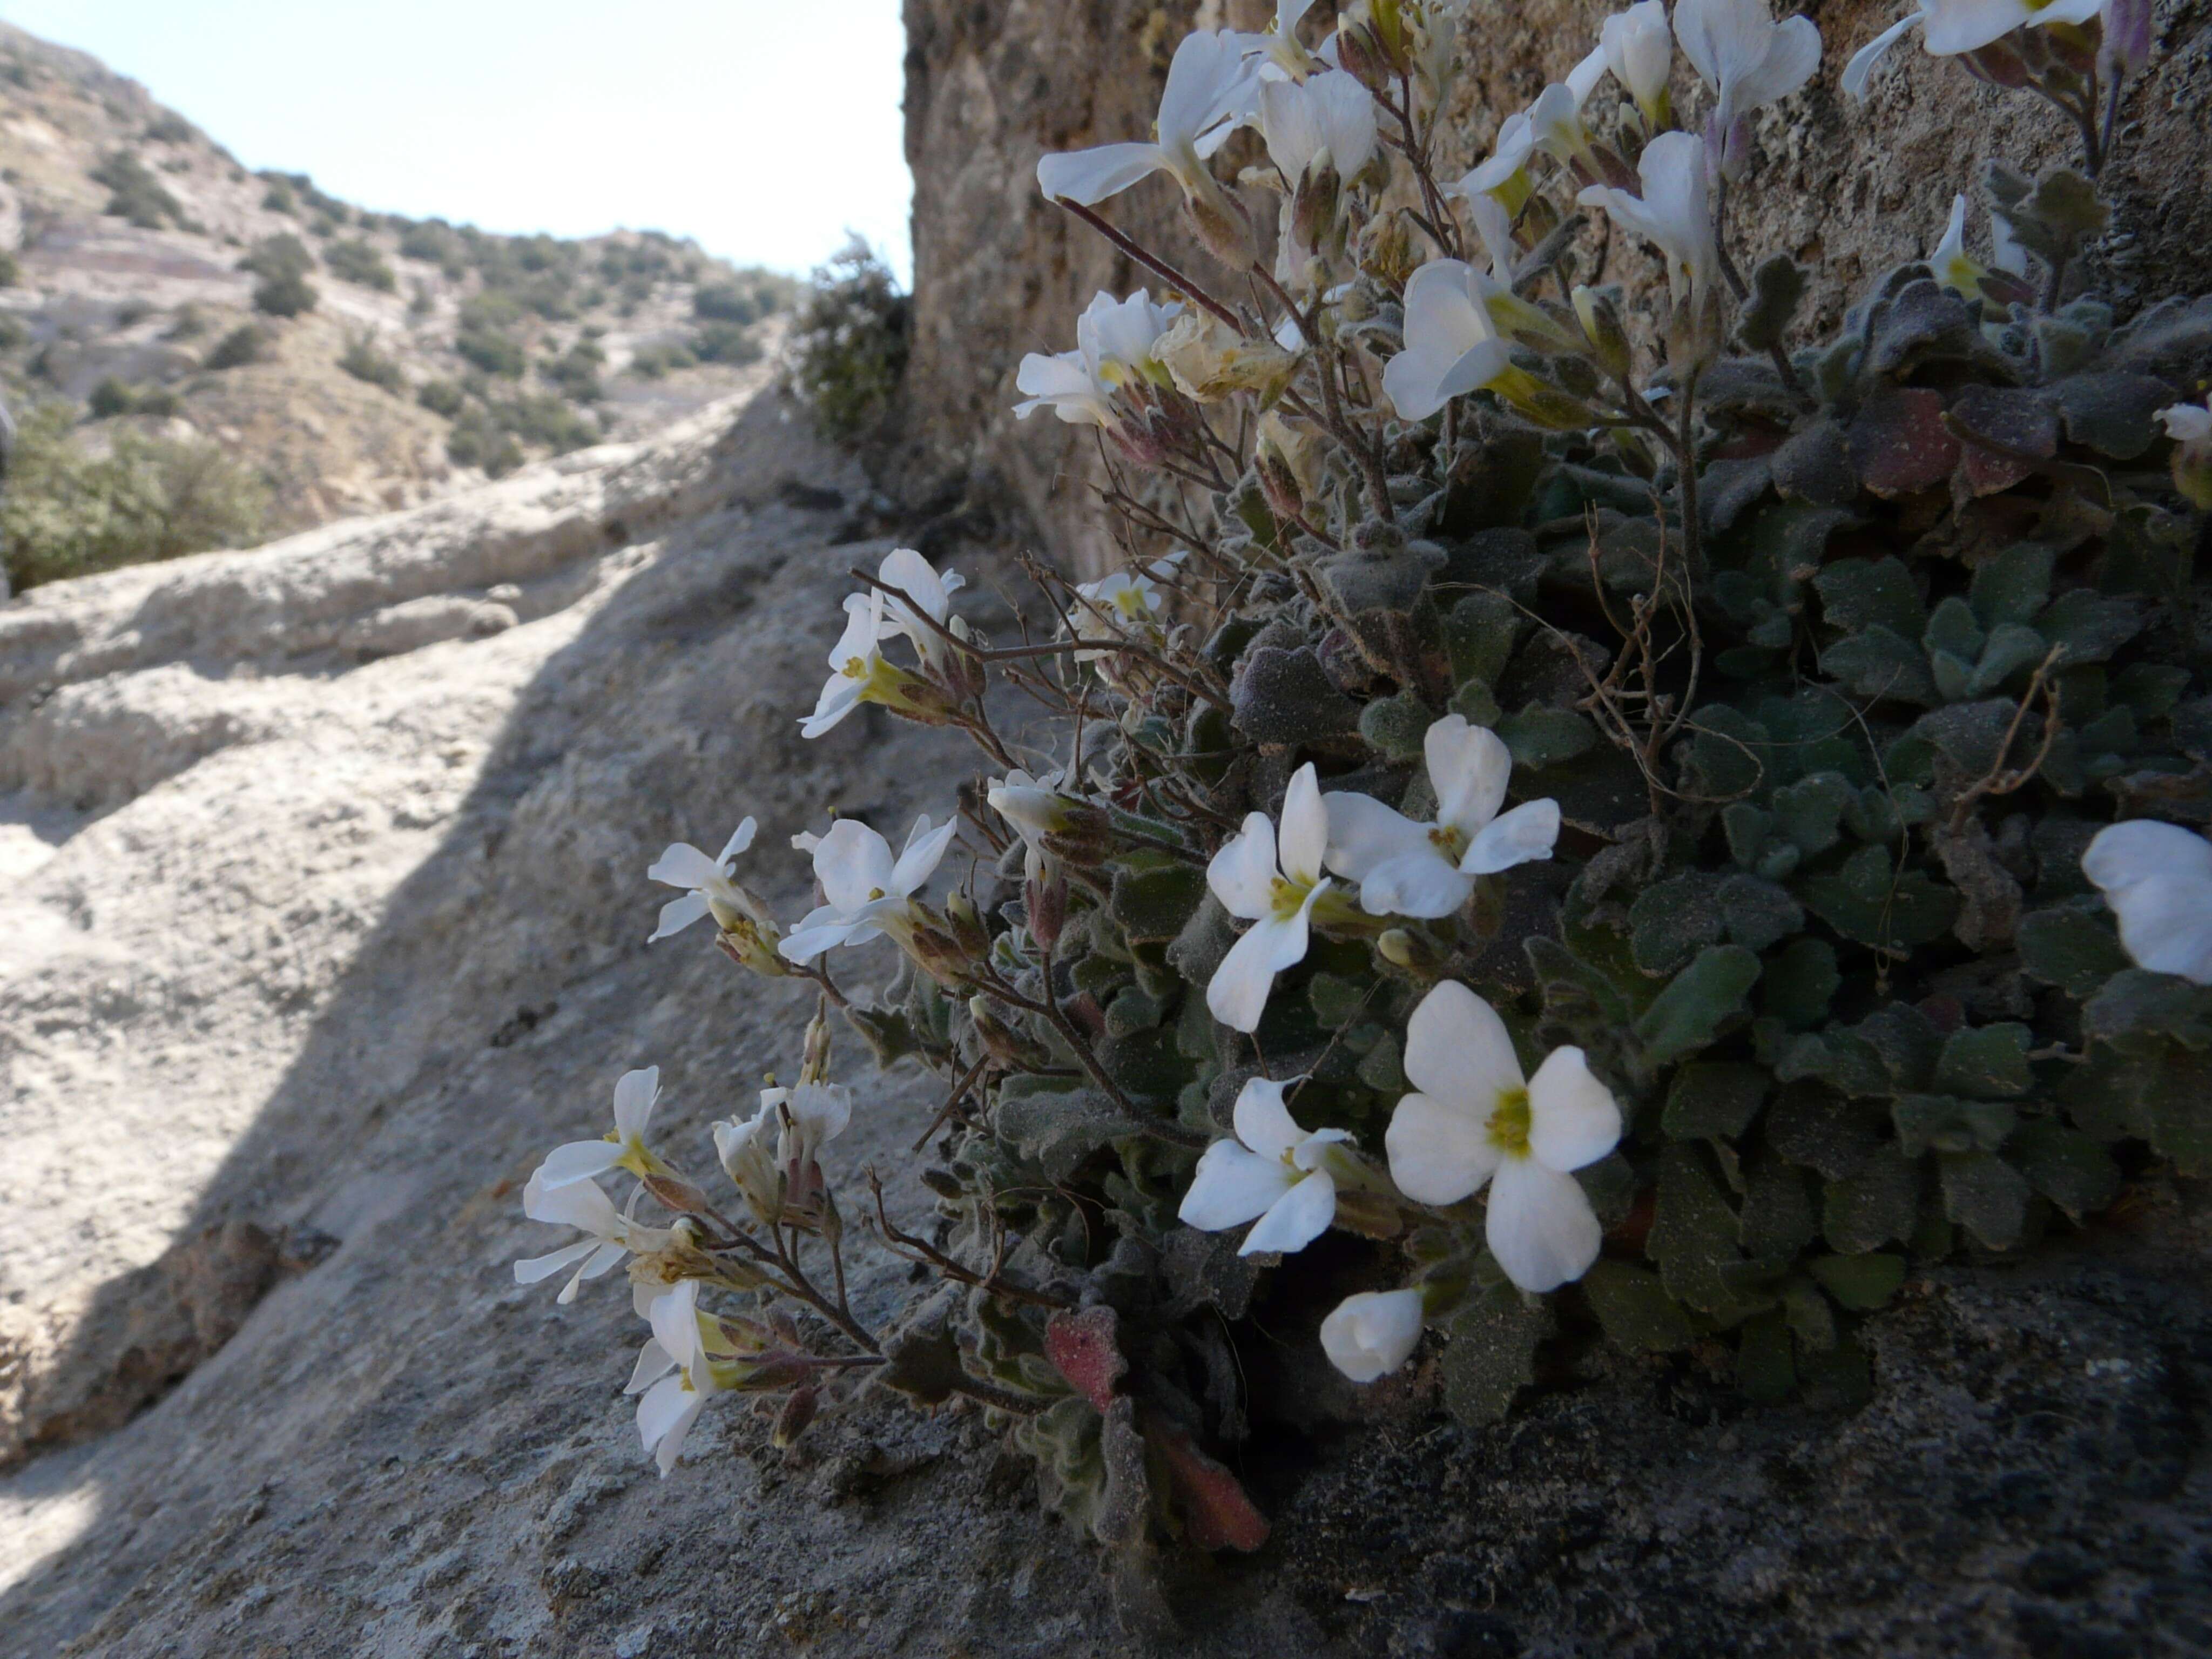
<point x="2007" y="431"/>
<point x="1082" y="1345"/>
<point x="1215" y="1513"/>
<point x="1898" y="442"/>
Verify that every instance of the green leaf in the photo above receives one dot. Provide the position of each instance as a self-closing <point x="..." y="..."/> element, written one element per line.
<point x="1865" y="900"/>
<point x="1879" y="662"/>
<point x="2136" y="1008"/>
<point x="1713" y="1100"/>
<point x="1155" y="904"/>
<point x="1491" y="1355"/>
<point x="1727" y="754"/>
<point x="1948" y="1124"/>
<point x="1808" y="811"/>
<point x="1480" y="633"/>
<point x="1690" y="1013"/>
<point x="2070" y="949"/>
<point x="1860" y="1283"/>
<point x="1633" y="1306"/>
<point x="1336" y="1002"/>
<point x="1541" y="737"/>
<point x="1394" y="727"/>
<point x="1382" y="1068"/>
<point x="1878" y="1203"/>
<point x="1986" y="1197"/>
<point x="1777" y="286"/>
<point x="1776" y="1218"/>
<point x="2014" y="586"/>
<point x="1672" y="920"/>
<point x="1763" y="1368"/>
<point x="1989" y="1063"/>
<point x="1693" y="1237"/>
<point x="1812" y="1321"/>
<point x="1757" y="912"/>
<point x="2066" y="1166"/>
<point x="2088" y="626"/>
<point x="1856" y="594"/>
<point x="1056" y="1127"/>
<point x="1800" y="983"/>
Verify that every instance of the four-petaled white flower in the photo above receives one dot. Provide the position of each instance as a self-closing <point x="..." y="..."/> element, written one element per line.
<point x="1211" y="82"/>
<point x="710" y="885"/>
<point x="635" y="1094"/>
<point x="1951" y="27"/>
<point x="1276" y="899"/>
<point x="1674" y="212"/>
<point x="1036" y="807"/>
<point x="1555" y="119"/>
<point x="1744" y="55"/>
<point x="858" y="671"/>
<point x="1639" y="50"/>
<point x="2188" y="423"/>
<point x="808" y="1116"/>
<point x="2158" y="879"/>
<point x="1273" y="1172"/>
<point x="1374" y="1332"/>
<point x="1116" y="345"/>
<point x="1428" y="870"/>
<point x="931" y="594"/>
<point x="674" y="1374"/>
<point x="609" y="1234"/>
<point x="1456" y="316"/>
<point x="747" y="1152"/>
<point x="1476" y="1120"/>
<point x="1954" y="268"/>
<point x="1505" y="175"/>
<point x="1123" y="605"/>
<point x="1322" y="126"/>
<point x="867" y="892"/>
<point x="1279" y="52"/>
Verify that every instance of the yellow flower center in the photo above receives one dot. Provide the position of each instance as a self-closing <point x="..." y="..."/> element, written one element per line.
<point x="1449" y="841"/>
<point x="1286" y="898"/>
<point x="1509" y="1123"/>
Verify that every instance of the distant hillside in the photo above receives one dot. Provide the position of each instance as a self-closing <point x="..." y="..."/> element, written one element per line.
<point x="351" y="361"/>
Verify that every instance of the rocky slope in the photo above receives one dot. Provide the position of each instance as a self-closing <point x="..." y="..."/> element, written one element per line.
<point x="1850" y="188"/>
<point x="431" y="355"/>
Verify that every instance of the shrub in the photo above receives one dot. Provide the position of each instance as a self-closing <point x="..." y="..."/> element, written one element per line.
<point x="249" y="342"/>
<point x="724" y="302"/>
<point x="112" y="397"/>
<point x="544" y="420"/>
<point x="730" y="343"/>
<point x="441" y="398"/>
<point x="69" y="513"/>
<point x="576" y="371"/>
<point x="13" y="334"/>
<point x="170" y="128"/>
<point x="656" y="362"/>
<point x="438" y="243"/>
<point x="477" y="439"/>
<point x="849" y="347"/>
<point x="494" y="350"/>
<point x="357" y="261"/>
<point x="11" y="271"/>
<point x="134" y="193"/>
<point x="283" y="263"/>
<point x="364" y="361"/>
<point x="278" y="197"/>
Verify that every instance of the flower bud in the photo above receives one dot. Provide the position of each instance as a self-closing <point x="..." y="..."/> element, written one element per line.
<point x="1403" y="948"/>
<point x="1601" y="326"/>
<point x="1314" y="205"/>
<point x="1209" y="360"/>
<point x="674" y="1191"/>
<point x="1279" y="483"/>
<point x="2190" y="426"/>
<point x="752" y="944"/>
<point x="1046" y="899"/>
<point x="798" y="1412"/>
<point x="2126" y="47"/>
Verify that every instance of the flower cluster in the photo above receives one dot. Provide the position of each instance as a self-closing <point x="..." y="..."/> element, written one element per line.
<point x="1667" y="820"/>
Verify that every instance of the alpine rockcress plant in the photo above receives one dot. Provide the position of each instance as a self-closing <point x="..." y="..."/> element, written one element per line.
<point x="1629" y="839"/>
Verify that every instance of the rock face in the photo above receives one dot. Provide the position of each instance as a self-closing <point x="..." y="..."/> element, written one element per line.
<point x="1847" y="189"/>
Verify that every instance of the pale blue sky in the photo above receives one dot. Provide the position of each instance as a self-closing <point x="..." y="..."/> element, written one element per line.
<point x="763" y="128"/>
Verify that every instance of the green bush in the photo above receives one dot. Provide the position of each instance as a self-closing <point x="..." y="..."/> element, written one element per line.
<point x="69" y="513"/>
<point x="134" y="193"/>
<point x="278" y="198"/>
<point x="13" y="334"/>
<point x="441" y="398"/>
<point x="477" y="439"/>
<point x="11" y="271"/>
<point x="657" y="362"/>
<point x="850" y="347"/>
<point x="283" y="263"/>
<point x="576" y="371"/>
<point x="494" y="350"/>
<point x="110" y="397"/>
<point x="727" y="342"/>
<point x="439" y="244"/>
<point x="364" y="361"/>
<point x="247" y="344"/>
<point x="544" y="420"/>
<point x="170" y="128"/>
<point x="357" y="261"/>
<point x="724" y="302"/>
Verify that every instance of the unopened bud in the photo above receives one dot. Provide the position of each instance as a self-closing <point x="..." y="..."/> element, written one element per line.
<point x="674" y="1191"/>
<point x="2126" y="47"/>
<point x="1403" y="948"/>
<point x="798" y="1412"/>
<point x="1278" y="484"/>
<point x="1601" y="326"/>
<point x="1046" y="899"/>
<point x="1313" y="206"/>
<point x="1218" y="225"/>
<point x="1362" y="57"/>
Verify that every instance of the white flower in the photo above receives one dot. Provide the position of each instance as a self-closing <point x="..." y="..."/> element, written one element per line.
<point x="609" y="1234"/>
<point x="675" y="1355"/>
<point x="1208" y="360"/>
<point x="1456" y="317"/>
<point x="1428" y="870"/>
<point x="636" y="1095"/>
<point x="1476" y="1121"/>
<point x="808" y="1117"/>
<point x="858" y="671"/>
<point x="1116" y="345"/>
<point x="913" y="576"/>
<point x="1123" y="605"/>
<point x="1326" y="121"/>
<point x="747" y="1151"/>
<point x="2188" y="423"/>
<point x="1555" y="119"/>
<point x="2158" y="879"/>
<point x="1639" y="50"/>
<point x="1744" y="55"/>
<point x="867" y="891"/>
<point x="708" y="884"/>
<point x="1273" y="1171"/>
<point x="1954" y="268"/>
<point x="1036" y="807"/>
<point x="1675" y="211"/>
<point x="1277" y="49"/>
<point x="1372" y="1333"/>
<point x="1505" y="175"/>
<point x="1952" y="27"/>
<point x="1245" y="876"/>
<point x="1209" y="92"/>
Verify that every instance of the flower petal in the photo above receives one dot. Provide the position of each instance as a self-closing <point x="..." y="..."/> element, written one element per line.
<point x="1231" y="1187"/>
<point x="1303" y="841"/>
<point x="635" y="1093"/>
<point x="1295" y="1220"/>
<point x="683" y="864"/>
<point x="1262" y="1120"/>
<point x="1364" y="833"/>
<point x="1439" y="1154"/>
<point x="853" y="864"/>
<point x="1372" y="1333"/>
<point x="1237" y="993"/>
<point x="918" y="862"/>
<point x="740" y="839"/>
<point x="1529" y="831"/>
<point x="1573" y="1119"/>
<point x="1860" y="69"/>
<point x="678" y="915"/>
<point x="822" y="930"/>
<point x="577" y="1160"/>
<point x="2166" y="923"/>
<point x="1088" y="177"/>
<point x="1243" y="873"/>
<point x="530" y="1269"/>
<point x="573" y="1204"/>
<point x="654" y="1363"/>
<point x="1540" y="1226"/>
<point x="1421" y="883"/>
<point x="1468" y="766"/>
<point x="2126" y="853"/>
<point x="1456" y="1049"/>
<point x="840" y="696"/>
